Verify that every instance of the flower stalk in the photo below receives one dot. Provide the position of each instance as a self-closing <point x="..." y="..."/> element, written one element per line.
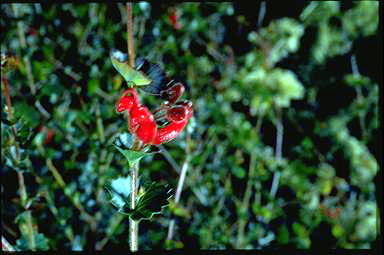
<point x="133" y="225"/>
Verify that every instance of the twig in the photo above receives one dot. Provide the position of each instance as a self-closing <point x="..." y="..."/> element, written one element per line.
<point x="180" y="184"/>
<point x="261" y="14"/>
<point x="55" y="212"/>
<point x="42" y="110"/>
<point x="10" y="113"/>
<point x="22" y="190"/>
<point x="244" y="206"/>
<point x="31" y="236"/>
<point x="20" y="176"/>
<point x="355" y="72"/>
<point x="131" y="48"/>
<point x="115" y="222"/>
<point x="88" y="218"/>
<point x="278" y="150"/>
<point x="177" y="196"/>
<point x="23" y="44"/>
<point x="169" y="158"/>
<point x="99" y="124"/>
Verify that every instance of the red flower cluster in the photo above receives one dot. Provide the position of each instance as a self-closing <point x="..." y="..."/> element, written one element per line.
<point x="142" y="122"/>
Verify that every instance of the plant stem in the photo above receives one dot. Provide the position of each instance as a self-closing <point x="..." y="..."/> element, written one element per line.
<point x="244" y="206"/>
<point x="22" y="190"/>
<point x="134" y="225"/>
<point x="87" y="217"/>
<point x="23" y="44"/>
<point x="360" y="98"/>
<point x="10" y="114"/>
<point x="113" y="225"/>
<point x="261" y="14"/>
<point x="278" y="150"/>
<point x="131" y="48"/>
<point x="179" y="189"/>
<point x="180" y="184"/>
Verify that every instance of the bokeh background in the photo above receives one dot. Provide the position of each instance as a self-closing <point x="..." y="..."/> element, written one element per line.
<point x="283" y="149"/>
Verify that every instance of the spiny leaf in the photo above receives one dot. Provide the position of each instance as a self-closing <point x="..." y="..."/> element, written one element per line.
<point x="154" y="198"/>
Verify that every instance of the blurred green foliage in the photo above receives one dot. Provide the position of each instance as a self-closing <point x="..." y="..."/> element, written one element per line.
<point x="297" y="74"/>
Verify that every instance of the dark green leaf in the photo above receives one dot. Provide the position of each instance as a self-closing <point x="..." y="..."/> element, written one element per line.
<point x="154" y="198"/>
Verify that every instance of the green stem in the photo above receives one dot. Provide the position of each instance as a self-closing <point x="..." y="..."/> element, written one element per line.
<point x="22" y="190"/>
<point x="360" y="98"/>
<point x="244" y="206"/>
<point x="134" y="225"/>
<point x="31" y="236"/>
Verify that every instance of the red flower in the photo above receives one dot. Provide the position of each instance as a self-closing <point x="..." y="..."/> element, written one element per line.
<point x="173" y="93"/>
<point x="143" y="124"/>
<point x="127" y="100"/>
<point x="178" y="117"/>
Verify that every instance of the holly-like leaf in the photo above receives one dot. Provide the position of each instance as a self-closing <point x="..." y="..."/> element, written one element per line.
<point x="154" y="198"/>
<point x="130" y="74"/>
<point x="150" y="202"/>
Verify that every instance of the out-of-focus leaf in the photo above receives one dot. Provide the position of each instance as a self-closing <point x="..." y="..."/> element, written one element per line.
<point x="30" y="239"/>
<point x="178" y="210"/>
<point x="120" y="190"/>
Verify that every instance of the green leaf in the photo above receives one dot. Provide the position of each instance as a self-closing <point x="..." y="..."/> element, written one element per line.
<point x="30" y="239"/>
<point x="130" y="155"/>
<point x="238" y="171"/>
<point x="154" y="198"/>
<point x="283" y="235"/>
<point x="120" y="62"/>
<point x="178" y="210"/>
<point x="150" y="202"/>
<point x="134" y="156"/>
<point x="119" y="191"/>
